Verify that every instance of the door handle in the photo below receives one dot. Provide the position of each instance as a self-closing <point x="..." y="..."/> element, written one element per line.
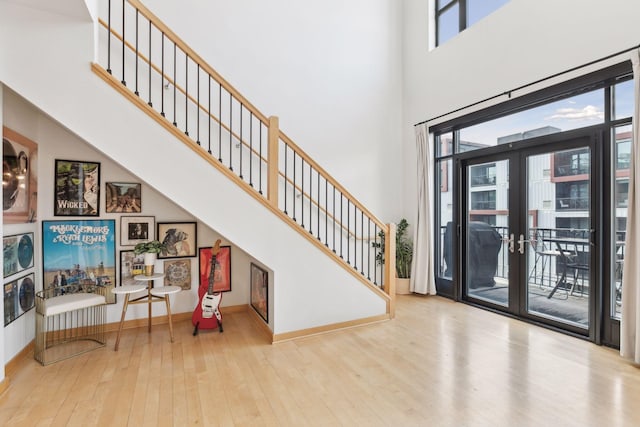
<point x="521" y="243"/>
<point x="511" y="241"/>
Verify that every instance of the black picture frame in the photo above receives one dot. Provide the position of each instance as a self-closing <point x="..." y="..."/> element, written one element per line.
<point x="80" y="254"/>
<point x="260" y="291"/>
<point x="76" y="188"/>
<point x="123" y="197"/>
<point x="137" y="229"/>
<point x="180" y="239"/>
<point x="19" y="297"/>
<point x="18" y="253"/>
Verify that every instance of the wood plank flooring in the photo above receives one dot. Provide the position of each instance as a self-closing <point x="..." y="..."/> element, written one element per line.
<point x="438" y="363"/>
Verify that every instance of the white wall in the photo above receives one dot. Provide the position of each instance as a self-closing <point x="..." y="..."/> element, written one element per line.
<point x="522" y="42"/>
<point x="56" y="142"/>
<point x="330" y="70"/>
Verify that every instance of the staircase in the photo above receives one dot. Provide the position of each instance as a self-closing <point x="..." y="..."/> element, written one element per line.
<point x="210" y="151"/>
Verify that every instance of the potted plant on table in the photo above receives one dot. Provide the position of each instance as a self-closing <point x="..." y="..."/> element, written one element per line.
<point x="150" y="249"/>
<point x="404" y="256"/>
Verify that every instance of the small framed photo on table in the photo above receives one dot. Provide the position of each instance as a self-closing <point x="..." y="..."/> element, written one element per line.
<point x="137" y="229"/>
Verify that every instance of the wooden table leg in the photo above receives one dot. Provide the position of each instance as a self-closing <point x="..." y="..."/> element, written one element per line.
<point x="124" y="311"/>
<point x="166" y="300"/>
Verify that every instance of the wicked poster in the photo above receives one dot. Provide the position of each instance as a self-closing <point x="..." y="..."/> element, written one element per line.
<point x="79" y="254"/>
<point x="77" y="191"/>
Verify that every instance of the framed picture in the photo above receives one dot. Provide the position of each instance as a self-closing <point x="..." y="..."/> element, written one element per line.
<point x="179" y="238"/>
<point x="77" y="188"/>
<point x="123" y="197"/>
<point x="19" y="297"/>
<point x="19" y="177"/>
<point x="130" y="266"/>
<point x="79" y="253"/>
<point x="260" y="291"/>
<point x="222" y="276"/>
<point x="136" y="229"/>
<point x="177" y="272"/>
<point x="18" y="253"/>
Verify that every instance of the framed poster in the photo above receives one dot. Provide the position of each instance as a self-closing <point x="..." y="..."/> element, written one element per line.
<point x="260" y="291"/>
<point x="77" y="188"/>
<point x="222" y="277"/>
<point x="130" y="265"/>
<point x="179" y="238"/>
<point x="123" y="197"/>
<point x="137" y="229"/>
<point x="19" y="177"/>
<point x="79" y="253"/>
<point x="18" y="253"/>
<point x="177" y="272"/>
<point x="19" y="297"/>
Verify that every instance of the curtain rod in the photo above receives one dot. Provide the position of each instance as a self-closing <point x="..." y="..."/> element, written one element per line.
<point x="508" y="93"/>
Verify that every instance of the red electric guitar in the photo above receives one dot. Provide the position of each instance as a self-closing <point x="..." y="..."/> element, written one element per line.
<point x="206" y="314"/>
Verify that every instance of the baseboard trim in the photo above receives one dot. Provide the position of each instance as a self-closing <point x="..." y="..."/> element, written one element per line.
<point x="302" y="333"/>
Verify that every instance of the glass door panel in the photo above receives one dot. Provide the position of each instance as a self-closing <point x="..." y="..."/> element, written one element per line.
<point x="557" y="244"/>
<point x="487" y="230"/>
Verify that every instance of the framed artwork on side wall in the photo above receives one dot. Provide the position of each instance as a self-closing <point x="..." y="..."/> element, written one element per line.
<point x="19" y="178"/>
<point x="260" y="291"/>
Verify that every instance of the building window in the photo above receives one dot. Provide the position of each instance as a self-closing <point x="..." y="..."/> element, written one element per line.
<point x="453" y="16"/>
<point x="572" y="196"/>
<point x="483" y="175"/>
<point x="483" y="200"/>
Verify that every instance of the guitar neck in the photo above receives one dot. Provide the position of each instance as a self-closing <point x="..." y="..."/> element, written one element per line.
<point x="212" y="274"/>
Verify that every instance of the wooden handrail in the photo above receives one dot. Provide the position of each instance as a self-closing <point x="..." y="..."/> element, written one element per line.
<point x="275" y="137"/>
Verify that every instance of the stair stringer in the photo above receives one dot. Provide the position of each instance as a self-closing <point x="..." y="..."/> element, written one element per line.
<point x="310" y="289"/>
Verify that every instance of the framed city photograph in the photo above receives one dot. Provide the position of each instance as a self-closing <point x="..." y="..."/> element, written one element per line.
<point x="222" y="272"/>
<point x="18" y="253"/>
<point x="260" y="291"/>
<point x="177" y="272"/>
<point x="77" y="188"/>
<point x="180" y="239"/>
<point x="130" y="266"/>
<point x="80" y="253"/>
<point x="123" y="197"/>
<point x="19" y="181"/>
<point x="136" y="229"/>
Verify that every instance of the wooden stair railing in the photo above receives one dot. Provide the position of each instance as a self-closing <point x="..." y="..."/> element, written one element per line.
<point x="151" y="66"/>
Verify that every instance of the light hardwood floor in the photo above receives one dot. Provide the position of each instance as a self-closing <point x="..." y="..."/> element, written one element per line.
<point x="438" y="363"/>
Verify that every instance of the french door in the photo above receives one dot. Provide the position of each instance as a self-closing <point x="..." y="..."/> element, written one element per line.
<point x="528" y="233"/>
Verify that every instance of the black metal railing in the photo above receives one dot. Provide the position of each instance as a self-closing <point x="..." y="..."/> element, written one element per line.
<point x="149" y="60"/>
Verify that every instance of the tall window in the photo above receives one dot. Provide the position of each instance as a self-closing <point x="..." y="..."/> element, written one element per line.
<point x="453" y="16"/>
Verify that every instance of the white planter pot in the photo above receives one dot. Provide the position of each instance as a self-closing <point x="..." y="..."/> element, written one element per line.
<point x="149" y="262"/>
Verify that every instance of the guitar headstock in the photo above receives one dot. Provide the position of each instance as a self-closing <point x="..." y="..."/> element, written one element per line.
<point x="216" y="248"/>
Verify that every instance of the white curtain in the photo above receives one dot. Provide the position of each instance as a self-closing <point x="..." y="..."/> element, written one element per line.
<point x="422" y="272"/>
<point x="630" y="323"/>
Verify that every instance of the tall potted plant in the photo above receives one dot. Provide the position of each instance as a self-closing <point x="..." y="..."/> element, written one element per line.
<point x="150" y="249"/>
<point x="404" y="255"/>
